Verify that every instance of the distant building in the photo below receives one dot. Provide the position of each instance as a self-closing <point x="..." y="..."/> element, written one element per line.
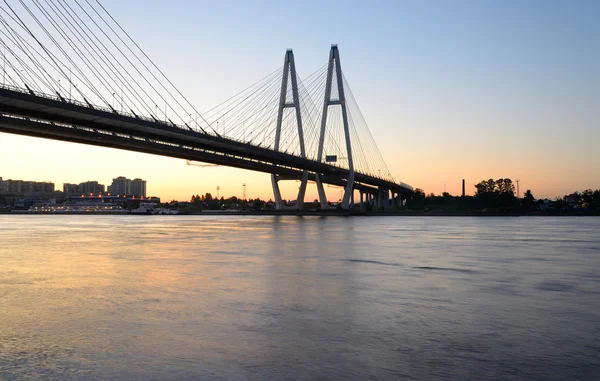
<point x="45" y="187"/>
<point x="113" y="199"/>
<point x="70" y="188"/>
<point x="3" y="186"/>
<point x="120" y="186"/>
<point x="124" y="186"/>
<point x="83" y="188"/>
<point x="138" y="188"/>
<point x="15" y="186"/>
<point x="25" y="187"/>
<point x="23" y="203"/>
<point x="91" y="187"/>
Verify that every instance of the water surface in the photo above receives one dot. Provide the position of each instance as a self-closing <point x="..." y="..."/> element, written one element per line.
<point x="289" y="298"/>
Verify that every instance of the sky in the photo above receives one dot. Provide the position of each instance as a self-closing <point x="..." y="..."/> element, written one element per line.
<point x="450" y="90"/>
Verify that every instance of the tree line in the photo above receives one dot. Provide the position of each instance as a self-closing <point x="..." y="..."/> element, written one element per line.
<point x="490" y="195"/>
<point x="499" y="195"/>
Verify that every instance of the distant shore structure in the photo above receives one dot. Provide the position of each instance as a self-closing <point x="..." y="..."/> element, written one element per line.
<point x="123" y="185"/>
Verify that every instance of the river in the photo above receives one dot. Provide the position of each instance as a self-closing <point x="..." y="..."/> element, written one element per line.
<point x="299" y="298"/>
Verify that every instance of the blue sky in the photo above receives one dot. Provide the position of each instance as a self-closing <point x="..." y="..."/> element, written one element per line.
<point x="450" y="89"/>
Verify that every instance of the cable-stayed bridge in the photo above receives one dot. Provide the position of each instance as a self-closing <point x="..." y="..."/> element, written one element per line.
<point x="72" y="73"/>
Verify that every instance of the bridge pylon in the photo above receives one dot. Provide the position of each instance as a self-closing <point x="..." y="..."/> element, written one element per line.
<point x="289" y="70"/>
<point x="334" y="65"/>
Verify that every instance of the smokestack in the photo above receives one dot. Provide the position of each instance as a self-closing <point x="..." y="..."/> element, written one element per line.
<point x="463" y="194"/>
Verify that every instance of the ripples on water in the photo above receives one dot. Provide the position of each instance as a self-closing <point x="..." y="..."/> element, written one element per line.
<point x="287" y="298"/>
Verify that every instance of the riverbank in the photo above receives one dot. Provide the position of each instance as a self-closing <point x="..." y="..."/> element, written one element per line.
<point x="330" y="213"/>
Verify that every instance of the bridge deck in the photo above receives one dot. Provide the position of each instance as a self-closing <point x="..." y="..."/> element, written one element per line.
<point x="40" y="115"/>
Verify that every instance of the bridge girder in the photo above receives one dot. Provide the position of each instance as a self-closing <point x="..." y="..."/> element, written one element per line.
<point x="33" y="115"/>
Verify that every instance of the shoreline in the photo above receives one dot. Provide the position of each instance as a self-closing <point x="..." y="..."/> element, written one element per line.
<point x="329" y="213"/>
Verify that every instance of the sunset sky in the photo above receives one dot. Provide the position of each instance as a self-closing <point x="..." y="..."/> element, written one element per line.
<point x="450" y="89"/>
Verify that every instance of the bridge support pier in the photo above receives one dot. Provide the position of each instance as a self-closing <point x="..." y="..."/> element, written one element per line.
<point x="398" y="200"/>
<point x="321" y="191"/>
<point x="302" y="190"/>
<point x="289" y="70"/>
<point x="334" y="64"/>
<point x="276" y="191"/>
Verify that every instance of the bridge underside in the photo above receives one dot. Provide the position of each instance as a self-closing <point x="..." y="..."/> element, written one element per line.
<point x="38" y="116"/>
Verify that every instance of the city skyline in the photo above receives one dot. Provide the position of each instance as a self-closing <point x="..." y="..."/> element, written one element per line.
<point x="470" y="91"/>
<point x="120" y="185"/>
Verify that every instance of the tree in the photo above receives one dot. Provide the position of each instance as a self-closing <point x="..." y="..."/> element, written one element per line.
<point x="505" y="186"/>
<point x="486" y="186"/>
<point x="495" y="193"/>
<point x="596" y="199"/>
<point x="197" y="200"/>
<point x="258" y="203"/>
<point x="490" y="186"/>
<point x="481" y="188"/>
<point x="418" y="194"/>
<point x="528" y="200"/>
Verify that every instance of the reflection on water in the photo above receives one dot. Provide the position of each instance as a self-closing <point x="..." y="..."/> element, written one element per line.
<point x="258" y="298"/>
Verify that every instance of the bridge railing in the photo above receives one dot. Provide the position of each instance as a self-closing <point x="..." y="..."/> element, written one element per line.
<point x="86" y="105"/>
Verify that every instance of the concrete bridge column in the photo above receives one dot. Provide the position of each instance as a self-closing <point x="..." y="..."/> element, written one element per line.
<point x="276" y="191"/>
<point x="302" y="191"/>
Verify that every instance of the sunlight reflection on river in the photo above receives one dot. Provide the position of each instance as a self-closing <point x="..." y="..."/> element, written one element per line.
<point x="238" y="298"/>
